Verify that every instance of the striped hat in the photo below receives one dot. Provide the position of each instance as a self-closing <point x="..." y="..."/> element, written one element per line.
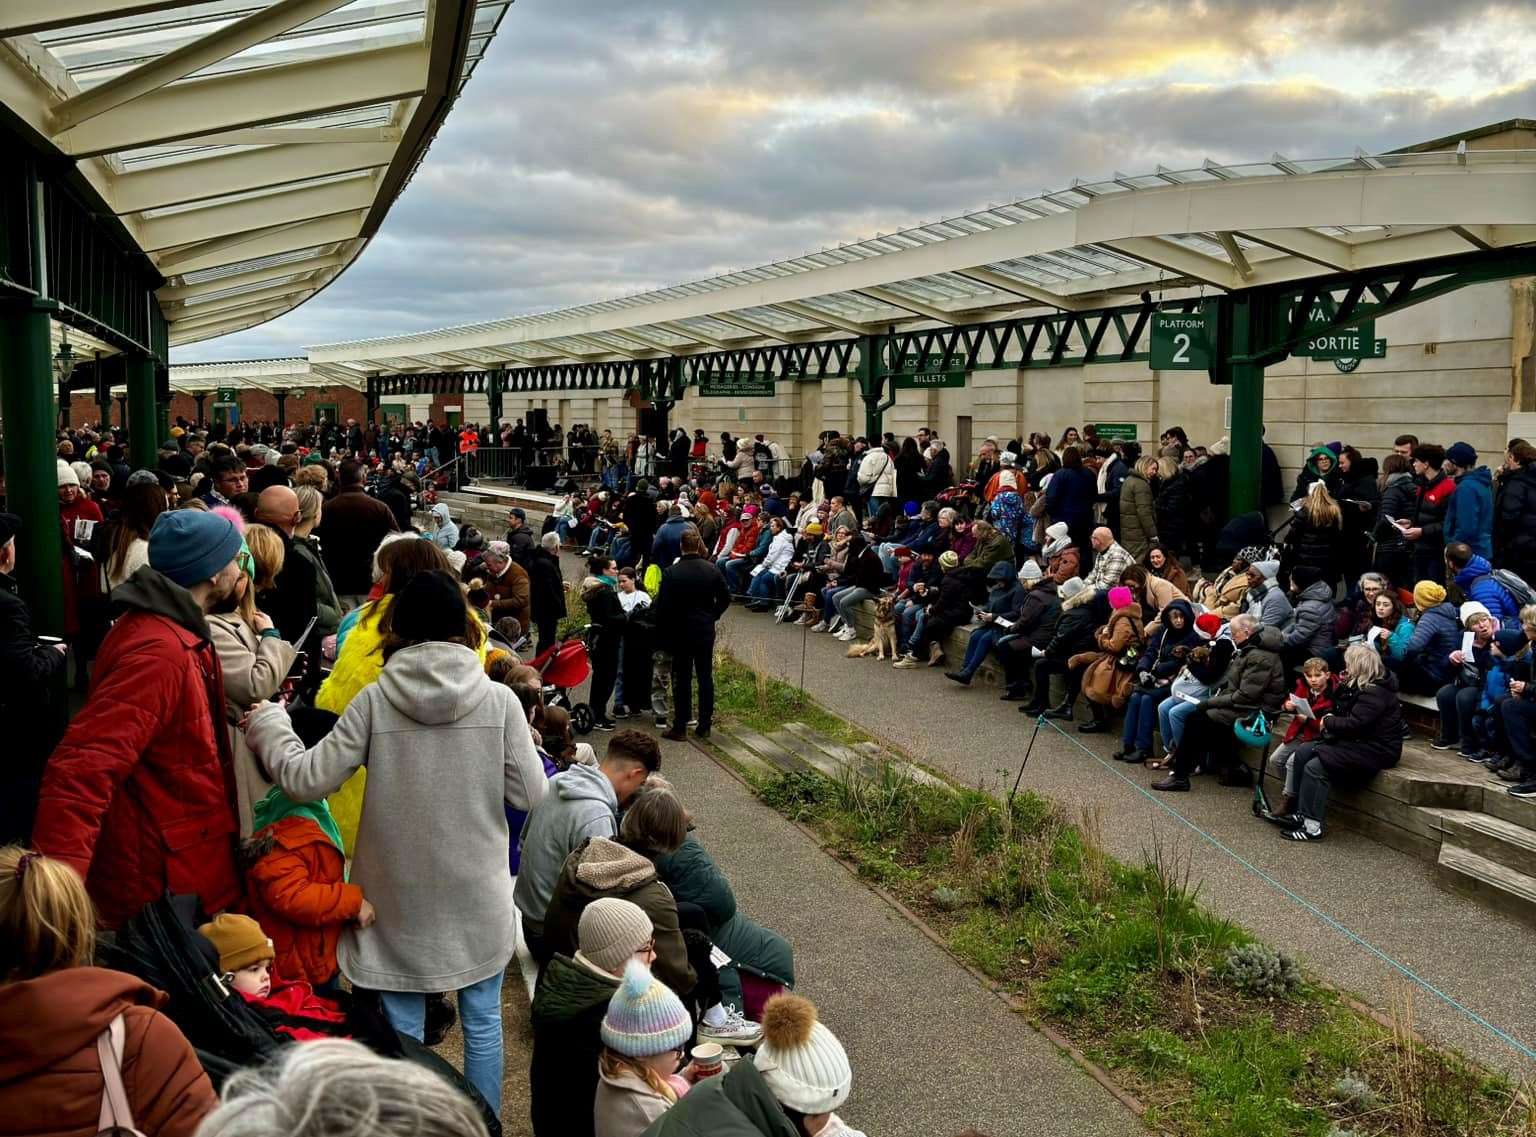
<point x="644" y="1017"/>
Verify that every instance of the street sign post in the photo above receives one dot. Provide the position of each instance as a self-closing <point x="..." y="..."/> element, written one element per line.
<point x="1181" y="341"/>
<point x="736" y="385"/>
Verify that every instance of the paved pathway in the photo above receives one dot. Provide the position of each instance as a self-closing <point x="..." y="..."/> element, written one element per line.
<point x="932" y="1051"/>
<point x="1474" y="955"/>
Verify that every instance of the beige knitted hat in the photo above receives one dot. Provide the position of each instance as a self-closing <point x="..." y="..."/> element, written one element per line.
<point x="610" y="931"/>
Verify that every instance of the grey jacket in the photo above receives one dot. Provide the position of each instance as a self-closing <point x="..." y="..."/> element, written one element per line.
<point x="1311" y="624"/>
<point x="1270" y="605"/>
<point x="580" y="804"/>
<point x="444" y="747"/>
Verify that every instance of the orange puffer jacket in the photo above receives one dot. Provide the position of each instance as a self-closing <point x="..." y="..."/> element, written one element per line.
<point x="299" y="896"/>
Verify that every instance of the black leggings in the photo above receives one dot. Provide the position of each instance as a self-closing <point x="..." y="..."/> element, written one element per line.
<point x="695" y="926"/>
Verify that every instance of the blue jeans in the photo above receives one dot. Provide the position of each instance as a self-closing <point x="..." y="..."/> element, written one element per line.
<point x="888" y="559"/>
<point x="732" y="568"/>
<point x="480" y="1016"/>
<point x="1141" y="713"/>
<point x="1171" y="715"/>
<point x="827" y="595"/>
<point x="917" y="627"/>
<point x="766" y="586"/>
<point x="979" y="645"/>
<point x="847" y="599"/>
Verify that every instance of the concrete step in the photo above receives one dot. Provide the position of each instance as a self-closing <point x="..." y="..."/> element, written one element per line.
<point x="843" y="757"/>
<point x="812" y="755"/>
<point x="1492" y="883"/>
<point x="1493" y="838"/>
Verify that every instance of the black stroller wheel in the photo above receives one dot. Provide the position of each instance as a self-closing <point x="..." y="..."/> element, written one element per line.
<point x="581" y="718"/>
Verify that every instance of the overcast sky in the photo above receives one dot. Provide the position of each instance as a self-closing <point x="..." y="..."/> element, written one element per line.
<point x="605" y="146"/>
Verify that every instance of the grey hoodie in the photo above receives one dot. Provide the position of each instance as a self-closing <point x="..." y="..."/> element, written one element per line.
<point x="581" y="803"/>
<point x="444" y="747"/>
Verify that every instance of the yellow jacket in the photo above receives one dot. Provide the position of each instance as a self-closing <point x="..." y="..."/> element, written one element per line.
<point x="359" y="663"/>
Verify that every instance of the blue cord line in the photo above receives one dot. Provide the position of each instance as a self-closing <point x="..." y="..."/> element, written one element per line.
<point x="1406" y="971"/>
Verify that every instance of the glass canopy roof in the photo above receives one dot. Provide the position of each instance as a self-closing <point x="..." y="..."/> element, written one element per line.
<point x="251" y="147"/>
<point x="1089" y="244"/>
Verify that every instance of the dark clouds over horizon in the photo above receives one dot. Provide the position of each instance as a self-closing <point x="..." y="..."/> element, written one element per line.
<point x="604" y="147"/>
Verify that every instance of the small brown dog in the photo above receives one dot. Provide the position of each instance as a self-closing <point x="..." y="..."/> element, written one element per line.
<point x="885" y="633"/>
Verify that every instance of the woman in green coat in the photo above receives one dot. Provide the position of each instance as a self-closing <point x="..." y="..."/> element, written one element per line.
<point x="694" y="878"/>
<point x="1138" y="511"/>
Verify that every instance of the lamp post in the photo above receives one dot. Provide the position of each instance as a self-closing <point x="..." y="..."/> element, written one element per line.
<point x="63" y="367"/>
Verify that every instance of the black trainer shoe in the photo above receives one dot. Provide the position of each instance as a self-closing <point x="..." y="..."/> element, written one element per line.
<point x="1524" y="789"/>
<point x="959" y="677"/>
<point x="1442" y="744"/>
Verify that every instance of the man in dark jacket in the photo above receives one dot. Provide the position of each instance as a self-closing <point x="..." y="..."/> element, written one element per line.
<point x="291" y="601"/>
<point x="1425" y="531"/>
<point x="639" y="514"/>
<point x="692" y="599"/>
<point x="1034" y="622"/>
<point x="546" y="589"/>
<point x="1072" y="633"/>
<point x="520" y="539"/>
<point x="139" y="796"/>
<point x="351" y="527"/>
<point x="568" y="1008"/>
<point x="31" y="698"/>
<point x="667" y="545"/>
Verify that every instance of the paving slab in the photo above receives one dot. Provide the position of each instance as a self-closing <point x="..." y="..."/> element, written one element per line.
<point x="1391" y="900"/>
<point x="933" y="1051"/>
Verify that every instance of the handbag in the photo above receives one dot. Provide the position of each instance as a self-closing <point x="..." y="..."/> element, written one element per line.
<point x="116" y="1117"/>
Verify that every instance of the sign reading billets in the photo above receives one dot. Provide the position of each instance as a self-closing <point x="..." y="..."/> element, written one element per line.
<point x="1181" y="341"/>
<point x="736" y="385"/>
<point x="938" y="371"/>
<point x="227" y="395"/>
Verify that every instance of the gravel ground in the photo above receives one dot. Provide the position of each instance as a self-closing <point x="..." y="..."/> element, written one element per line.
<point x="1386" y="898"/>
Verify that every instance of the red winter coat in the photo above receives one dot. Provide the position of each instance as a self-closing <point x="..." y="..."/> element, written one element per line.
<point x="300" y="898"/>
<point x="1310" y="730"/>
<point x="139" y="796"/>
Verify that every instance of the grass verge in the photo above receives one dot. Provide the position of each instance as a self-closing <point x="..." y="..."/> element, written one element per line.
<point x="1218" y="1034"/>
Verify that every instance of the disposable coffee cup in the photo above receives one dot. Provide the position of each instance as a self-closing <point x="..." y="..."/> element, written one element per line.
<point x="707" y="1059"/>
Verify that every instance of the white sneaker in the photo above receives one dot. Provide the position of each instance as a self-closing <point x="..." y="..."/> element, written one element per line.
<point x="836" y="624"/>
<point x="908" y="660"/>
<point x="819" y="626"/>
<point x="735" y="1031"/>
<point x="847" y="635"/>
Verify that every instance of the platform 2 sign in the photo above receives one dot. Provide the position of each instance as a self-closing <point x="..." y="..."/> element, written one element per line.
<point x="939" y="371"/>
<point x="227" y="395"/>
<point x="1181" y="341"/>
<point x="736" y="385"/>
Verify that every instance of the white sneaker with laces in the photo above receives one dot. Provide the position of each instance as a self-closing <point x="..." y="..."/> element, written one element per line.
<point x="847" y="635"/>
<point x="735" y="1031"/>
<point x="819" y="626"/>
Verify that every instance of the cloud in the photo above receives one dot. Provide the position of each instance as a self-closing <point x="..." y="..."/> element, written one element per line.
<point x="606" y="147"/>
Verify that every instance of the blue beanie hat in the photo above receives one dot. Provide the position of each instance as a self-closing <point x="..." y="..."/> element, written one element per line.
<point x="910" y="508"/>
<point x="189" y="545"/>
<point x="1461" y="454"/>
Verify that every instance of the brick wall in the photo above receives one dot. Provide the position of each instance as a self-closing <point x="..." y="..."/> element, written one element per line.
<point x="254" y="405"/>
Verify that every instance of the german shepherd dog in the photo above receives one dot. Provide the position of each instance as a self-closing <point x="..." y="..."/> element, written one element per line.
<point x="885" y="633"/>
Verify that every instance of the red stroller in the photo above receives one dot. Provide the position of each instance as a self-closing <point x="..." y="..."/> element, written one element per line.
<point x="565" y="666"/>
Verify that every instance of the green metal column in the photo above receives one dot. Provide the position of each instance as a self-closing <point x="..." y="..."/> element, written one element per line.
<point x="143" y="413"/>
<point x="493" y="396"/>
<point x="871" y="385"/>
<point x="26" y="405"/>
<point x="1247" y="431"/>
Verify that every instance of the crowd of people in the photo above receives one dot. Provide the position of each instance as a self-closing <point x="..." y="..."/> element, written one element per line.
<point x="1119" y="575"/>
<point x="315" y="717"/>
<point x="314" y="714"/>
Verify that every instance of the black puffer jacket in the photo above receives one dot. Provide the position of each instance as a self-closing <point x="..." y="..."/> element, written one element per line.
<point x="1514" y="520"/>
<point x="1397" y="504"/>
<point x="1313" y="546"/>
<point x="1361" y="487"/>
<point x="1173" y="512"/>
<point x="1364" y="734"/>
<point x="1075" y="628"/>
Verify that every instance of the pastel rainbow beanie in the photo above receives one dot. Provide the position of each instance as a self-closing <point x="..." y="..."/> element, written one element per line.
<point x="644" y="1017"/>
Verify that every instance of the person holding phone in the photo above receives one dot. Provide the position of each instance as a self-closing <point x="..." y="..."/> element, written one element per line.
<point x="29" y="698"/>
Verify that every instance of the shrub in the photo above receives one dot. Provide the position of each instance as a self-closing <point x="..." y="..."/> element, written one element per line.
<point x="1260" y="970"/>
<point x="1355" y="1093"/>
